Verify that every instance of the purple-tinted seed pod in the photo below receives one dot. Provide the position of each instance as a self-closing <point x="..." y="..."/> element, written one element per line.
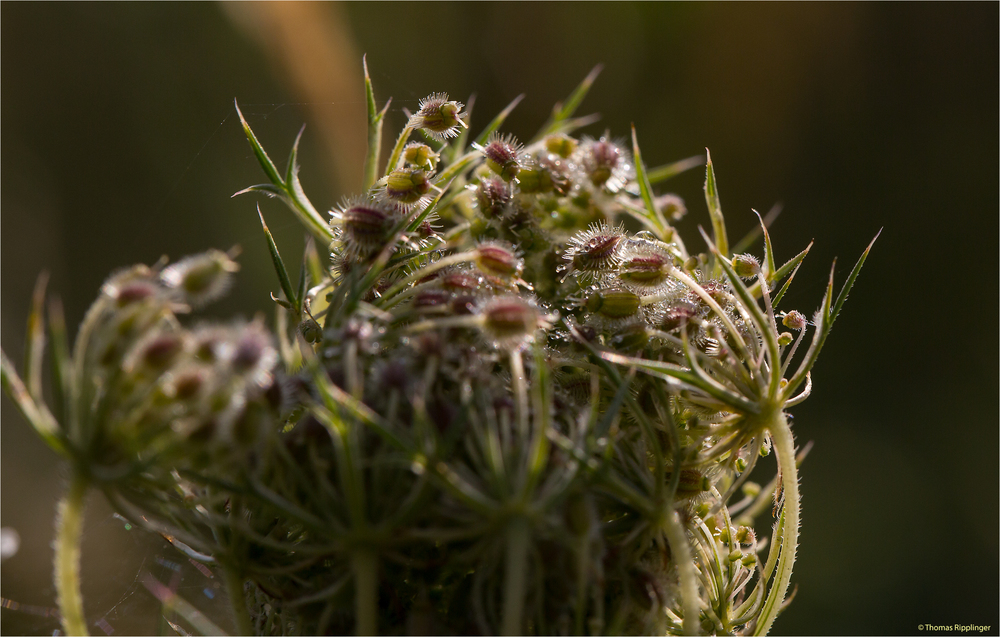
<point x="461" y="281"/>
<point x="493" y="195"/>
<point x="431" y="299"/>
<point x="366" y="226"/>
<point x="676" y="316"/>
<point x="498" y="260"/>
<point x="253" y="354"/>
<point x="200" y="278"/>
<point x="501" y="153"/>
<point x="596" y="249"/>
<point x="463" y="304"/>
<point x="161" y="351"/>
<point x="133" y="285"/>
<point x="135" y="292"/>
<point x="644" y="264"/>
<point x="794" y="320"/>
<point x="510" y="321"/>
<point x="607" y="164"/>
<point x="717" y="290"/>
<point x="188" y="383"/>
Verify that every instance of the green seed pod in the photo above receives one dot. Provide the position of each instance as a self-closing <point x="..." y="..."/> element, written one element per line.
<point x="614" y="303"/>
<point x="533" y="179"/>
<point x="559" y="144"/>
<point x="200" y="278"/>
<point x="439" y="116"/>
<point x="745" y="535"/>
<point x="419" y="156"/>
<point x="631" y="338"/>
<point x="785" y="338"/>
<point x="746" y="265"/>
<point x="407" y="186"/>
<point x="311" y="331"/>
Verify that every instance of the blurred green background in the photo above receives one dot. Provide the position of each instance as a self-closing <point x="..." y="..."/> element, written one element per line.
<point x="120" y="143"/>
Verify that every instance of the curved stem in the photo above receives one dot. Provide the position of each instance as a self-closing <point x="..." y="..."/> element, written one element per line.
<point x="515" y="576"/>
<point x="680" y="549"/>
<point x="784" y="447"/>
<point x="364" y="563"/>
<point x="69" y="530"/>
<point x="238" y="601"/>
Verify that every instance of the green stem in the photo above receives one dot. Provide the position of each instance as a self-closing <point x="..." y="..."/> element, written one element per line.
<point x="238" y="601"/>
<point x="364" y="563"/>
<point x="69" y="528"/>
<point x="680" y="549"/>
<point x="515" y="576"/>
<point x="784" y="447"/>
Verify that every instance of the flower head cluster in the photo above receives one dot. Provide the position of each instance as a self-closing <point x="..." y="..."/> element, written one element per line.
<point x="527" y="418"/>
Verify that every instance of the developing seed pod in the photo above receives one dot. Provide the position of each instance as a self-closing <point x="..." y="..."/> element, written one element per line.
<point x="406" y="187"/>
<point x="252" y="354"/>
<point x="746" y="265"/>
<point x="200" y="278"/>
<point x="794" y="320"/>
<point x="439" y="117"/>
<point x="498" y="260"/>
<point x="607" y="164"/>
<point x="631" y="338"/>
<point x="431" y="300"/>
<point x="561" y="145"/>
<point x="132" y="286"/>
<point x="614" y="303"/>
<point x="595" y="249"/>
<point x="675" y="316"/>
<point x="501" y="153"/>
<point x="671" y="206"/>
<point x="461" y="281"/>
<point x="311" y="331"/>
<point x="645" y="265"/>
<point x="692" y="484"/>
<point x="188" y="383"/>
<point x="493" y="196"/>
<point x="365" y="224"/>
<point x="418" y="155"/>
<point x="785" y="338"/>
<point x="510" y="322"/>
<point x="156" y="352"/>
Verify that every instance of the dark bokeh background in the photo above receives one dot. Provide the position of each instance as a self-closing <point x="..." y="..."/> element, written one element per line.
<point x="120" y="143"/>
